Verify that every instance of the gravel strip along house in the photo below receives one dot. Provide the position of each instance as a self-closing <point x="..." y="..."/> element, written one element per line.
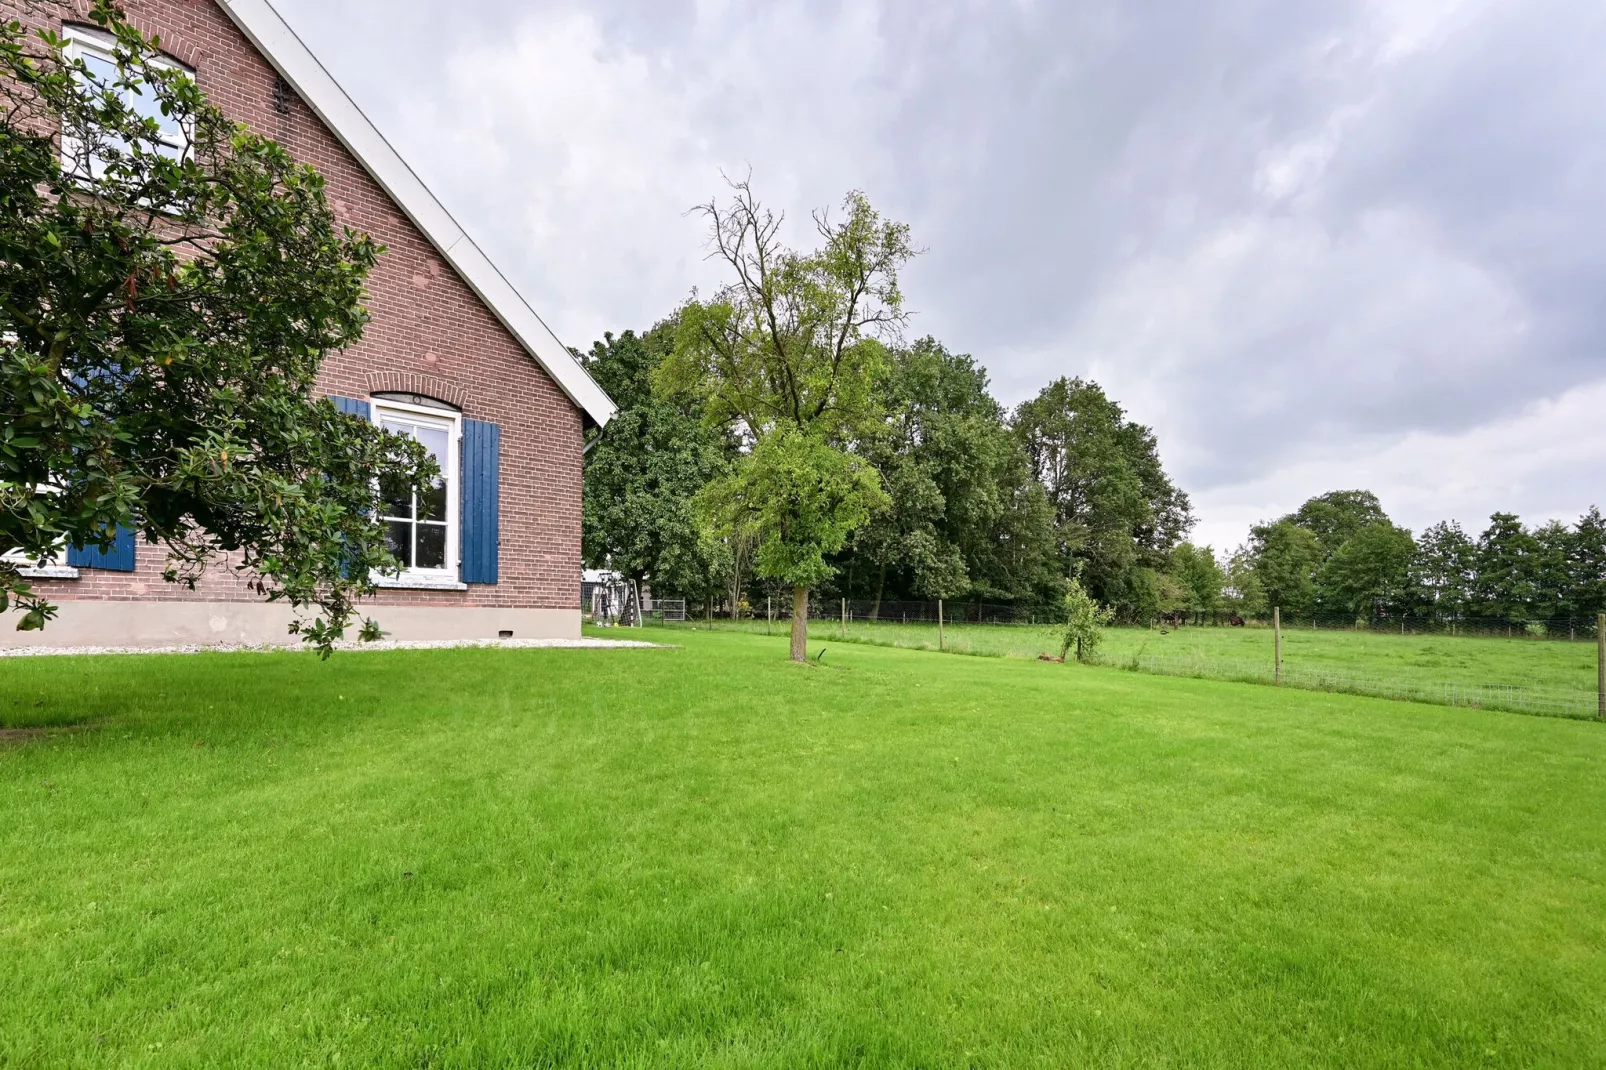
<point x="452" y="355"/>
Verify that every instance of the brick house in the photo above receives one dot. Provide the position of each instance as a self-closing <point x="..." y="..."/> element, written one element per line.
<point x="452" y="356"/>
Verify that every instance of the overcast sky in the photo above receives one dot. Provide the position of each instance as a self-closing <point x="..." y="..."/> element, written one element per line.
<point x="1314" y="245"/>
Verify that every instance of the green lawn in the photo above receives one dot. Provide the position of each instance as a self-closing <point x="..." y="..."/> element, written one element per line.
<point x="709" y="856"/>
<point x="1557" y="675"/>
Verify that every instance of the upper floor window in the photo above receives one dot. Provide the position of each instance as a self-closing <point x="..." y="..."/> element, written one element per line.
<point x="424" y="527"/>
<point x="98" y="52"/>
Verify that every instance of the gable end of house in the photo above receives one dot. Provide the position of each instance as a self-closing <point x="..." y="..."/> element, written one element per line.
<point x="301" y="70"/>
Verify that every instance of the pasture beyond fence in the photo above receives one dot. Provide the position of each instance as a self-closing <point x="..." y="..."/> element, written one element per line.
<point x="779" y="608"/>
<point x="1544" y="664"/>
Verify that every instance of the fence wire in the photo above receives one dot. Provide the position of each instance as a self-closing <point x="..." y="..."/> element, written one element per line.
<point x="1512" y="698"/>
<point x="886" y="612"/>
<point x="884" y="624"/>
<point x="1579" y="628"/>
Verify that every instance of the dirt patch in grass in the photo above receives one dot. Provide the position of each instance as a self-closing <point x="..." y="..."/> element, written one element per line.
<point x="17" y="736"/>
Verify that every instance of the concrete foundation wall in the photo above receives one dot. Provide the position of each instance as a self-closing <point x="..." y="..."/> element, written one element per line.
<point x="135" y="624"/>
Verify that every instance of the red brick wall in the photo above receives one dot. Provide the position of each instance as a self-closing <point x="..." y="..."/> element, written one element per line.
<point x="429" y="334"/>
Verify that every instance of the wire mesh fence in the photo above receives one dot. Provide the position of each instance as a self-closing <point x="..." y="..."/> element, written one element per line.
<point x="888" y="612"/>
<point x="665" y="609"/>
<point x="1513" y="698"/>
<point x="1574" y="629"/>
<point x="1382" y="668"/>
<point x="1579" y="628"/>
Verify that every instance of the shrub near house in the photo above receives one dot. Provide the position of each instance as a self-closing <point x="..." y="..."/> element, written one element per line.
<point x="451" y="357"/>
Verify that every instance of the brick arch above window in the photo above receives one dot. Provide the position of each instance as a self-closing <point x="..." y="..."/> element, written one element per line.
<point x="174" y="44"/>
<point x="430" y="386"/>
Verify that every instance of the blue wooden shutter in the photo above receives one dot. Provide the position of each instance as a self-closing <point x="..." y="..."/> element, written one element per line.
<point x="482" y="450"/>
<point x="120" y="558"/>
<point x="353" y="407"/>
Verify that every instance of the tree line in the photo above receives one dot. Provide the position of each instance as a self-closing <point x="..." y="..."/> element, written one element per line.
<point x="1340" y="556"/>
<point x="867" y="467"/>
<point x="982" y="503"/>
<point x="781" y="439"/>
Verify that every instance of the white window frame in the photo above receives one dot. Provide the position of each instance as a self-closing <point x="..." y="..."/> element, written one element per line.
<point x="32" y="568"/>
<point x="81" y="40"/>
<point x="447" y="578"/>
<point x="53" y="568"/>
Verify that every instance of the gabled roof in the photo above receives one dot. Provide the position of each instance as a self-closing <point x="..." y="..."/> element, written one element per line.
<point x="279" y="44"/>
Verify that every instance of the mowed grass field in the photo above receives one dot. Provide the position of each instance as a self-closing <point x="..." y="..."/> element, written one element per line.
<point x="707" y="856"/>
<point x="1519" y="662"/>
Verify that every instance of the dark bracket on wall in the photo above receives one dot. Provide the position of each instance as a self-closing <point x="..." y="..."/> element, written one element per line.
<point x="282" y="95"/>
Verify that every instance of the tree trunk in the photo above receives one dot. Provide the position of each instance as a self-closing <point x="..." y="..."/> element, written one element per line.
<point x="739" y="551"/>
<point x="800" y="624"/>
<point x="881" y="588"/>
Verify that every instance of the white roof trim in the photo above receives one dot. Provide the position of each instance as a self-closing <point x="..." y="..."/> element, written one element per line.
<point x="258" y="20"/>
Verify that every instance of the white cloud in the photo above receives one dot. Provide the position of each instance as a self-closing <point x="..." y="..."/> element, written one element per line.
<point x="1291" y="237"/>
<point x="1285" y="171"/>
<point x="1406" y="27"/>
<point x="573" y="155"/>
<point x="1274" y="329"/>
<point x="1529" y="463"/>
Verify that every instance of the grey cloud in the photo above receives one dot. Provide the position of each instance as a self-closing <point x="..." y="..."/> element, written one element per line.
<point x="1287" y="235"/>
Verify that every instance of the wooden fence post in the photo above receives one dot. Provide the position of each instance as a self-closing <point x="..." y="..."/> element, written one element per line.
<point x="1600" y="666"/>
<point x="844" y="618"/>
<point x="939" y="624"/>
<point x="1277" y="643"/>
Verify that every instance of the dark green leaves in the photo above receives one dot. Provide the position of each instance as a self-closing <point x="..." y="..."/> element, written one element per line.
<point x="1117" y="511"/>
<point x="162" y="324"/>
<point x="799" y="498"/>
<point x="644" y="471"/>
<point x="787" y="355"/>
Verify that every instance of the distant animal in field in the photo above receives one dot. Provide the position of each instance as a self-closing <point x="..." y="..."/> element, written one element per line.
<point x="1236" y="621"/>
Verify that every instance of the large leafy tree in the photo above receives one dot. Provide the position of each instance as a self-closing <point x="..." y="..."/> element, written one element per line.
<point x="1200" y="575"/>
<point x="1444" y="569"/>
<point x="1356" y="569"/>
<point x="966" y="516"/>
<point x="645" y="469"/>
<point x="1369" y="572"/>
<point x="1338" y="515"/>
<point x="163" y="316"/>
<point x="796" y="500"/>
<point x="1554" y="595"/>
<point x="1507" y="557"/>
<point x="1286" y="558"/>
<point x="1586" y="564"/>
<point x="1244" y="593"/>
<point x="1015" y="558"/>
<point x="1116" y="510"/>
<point x="787" y="355"/>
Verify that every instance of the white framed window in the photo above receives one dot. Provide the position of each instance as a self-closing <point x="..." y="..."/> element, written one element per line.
<point x="53" y="567"/>
<point x="424" y="529"/>
<point x="98" y="51"/>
